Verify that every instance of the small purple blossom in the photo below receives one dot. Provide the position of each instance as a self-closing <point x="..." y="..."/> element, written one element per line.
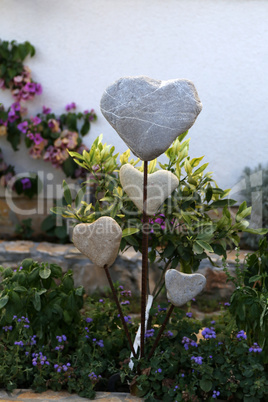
<point x="88" y="320"/>
<point x="215" y="394"/>
<point x="197" y="359"/>
<point x="123" y="303"/>
<point x="19" y="343"/>
<point x="149" y="333"/>
<point x="46" y="110"/>
<point x="241" y="335"/>
<point x="127" y="319"/>
<point x="26" y="183"/>
<point x="7" y="328"/>
<point x="101" y="301"/>
<point x="189" y="314"/>
<point x="23" y="126"/>
<point x="188" y="342"/>
<point x="70" y="106"/>
<point x="208" y="333"/>
<point x="255" y="348"/>
<point x="36" y="120"/>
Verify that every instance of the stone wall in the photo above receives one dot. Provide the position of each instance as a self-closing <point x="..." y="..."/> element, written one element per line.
<point x="126" y="270"/>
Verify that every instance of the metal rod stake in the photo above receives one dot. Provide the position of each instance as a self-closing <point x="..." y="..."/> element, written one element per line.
<point x="145" y="235"/>
<point x="120" y="310"/>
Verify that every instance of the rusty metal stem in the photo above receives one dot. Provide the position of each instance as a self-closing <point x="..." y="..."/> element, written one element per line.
<point x="161" y="331"/>
<point x="145" y="234"/>
<point x="120" y="310"/>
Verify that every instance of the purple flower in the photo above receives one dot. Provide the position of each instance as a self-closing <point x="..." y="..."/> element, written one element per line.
<point x="7" y="328"/>
<point x="169" y="334"/>
<point x="215" y="394"/>
<point x="123" y="303"/>
<point x="127" y="319"/>
<point x="255" y="348"/>
<point x="161" y="308"/>
<point x="149" y="333"/>
<point x="36" y="120"/>
<point x="241" y="335"/>
<point x="38" y="89"/>
<point x="189" y="314"/>
<point x="197" y="359"/>
<point x="23" y="126"/>
<point x="38" y="138"/>
<point x="227" y="304"/>
<point x="101" y="301"/>
<point x="26" y="183"/>
<point x="70" y="106"/>
<point x="88" y="320"/>
<point x="46" y="110"/>
<point x="188" y="342"/>
<point x="208" y="333"/>
<point x="19" y="343"/>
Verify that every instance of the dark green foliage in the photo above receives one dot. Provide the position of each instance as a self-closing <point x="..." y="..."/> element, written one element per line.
<point x="249" y="302"/>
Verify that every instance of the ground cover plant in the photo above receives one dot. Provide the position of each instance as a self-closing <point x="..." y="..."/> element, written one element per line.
<point x="54" y="338"/>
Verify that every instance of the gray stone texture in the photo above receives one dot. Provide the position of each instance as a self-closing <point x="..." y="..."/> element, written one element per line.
<point x="181" y="287"/>
<point x="150" y="114"/>
<point x="160" y="185"/>
<point x="99" y="240"/>
<point x="126" y="269"/>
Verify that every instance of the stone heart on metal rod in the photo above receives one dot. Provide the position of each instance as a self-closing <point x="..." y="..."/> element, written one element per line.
<point x="159" y="186"/>
<point x="181" y="287"/>
<point x="99" y="240"/>
<point x="150" y="114"/>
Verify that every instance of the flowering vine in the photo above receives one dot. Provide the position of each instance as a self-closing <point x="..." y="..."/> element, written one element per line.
<point x="46" y="135"/>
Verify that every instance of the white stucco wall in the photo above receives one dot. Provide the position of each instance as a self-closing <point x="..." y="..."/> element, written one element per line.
<point x="84" y="45"/>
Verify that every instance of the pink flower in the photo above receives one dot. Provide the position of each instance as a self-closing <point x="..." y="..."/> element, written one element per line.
<point x="23" y="126"/>
<point x="38" y="138"/>
<point x="18" y="79"/>
<point x="46" y="110"/>
<point x="37" y="149"/>
<point x="68" y="139"/>
<point x="53" y="125"/>
<point x="36" y="120"/>
<point x="56" y="156"/>
<point x="31" y="136"/>
<point x="70" y="106"/>
<point x="2" y="83"/>
<point x="38" y="89"/>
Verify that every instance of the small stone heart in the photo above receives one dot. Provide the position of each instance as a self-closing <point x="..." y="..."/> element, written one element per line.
<point x="99" y="240"/>
<point x="181" y="288"/>
<point x="150" y="114"/>
<point x="159" y="186"/>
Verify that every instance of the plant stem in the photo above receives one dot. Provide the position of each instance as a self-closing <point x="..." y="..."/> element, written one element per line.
<point x="155" y="293"/>
<point x="145" y="234"/>
<point x="119" y="309"/>
<point x="161" y="331"/>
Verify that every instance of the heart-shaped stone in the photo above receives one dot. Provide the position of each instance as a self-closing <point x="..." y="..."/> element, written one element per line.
<point x="181" y="287"/>
<point x="150" y="114"/>
<point x="99" y="240"/>
<point x="160" y="185"/>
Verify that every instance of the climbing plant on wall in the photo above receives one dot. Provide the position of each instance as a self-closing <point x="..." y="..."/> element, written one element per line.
<point x="46" y="135"/>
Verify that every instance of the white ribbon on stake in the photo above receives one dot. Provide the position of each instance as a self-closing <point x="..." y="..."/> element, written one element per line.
<point x="137" y="341"/>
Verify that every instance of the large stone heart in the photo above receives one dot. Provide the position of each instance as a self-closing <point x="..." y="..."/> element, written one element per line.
<point x="181" y="288"/>
<point x="159" y="186"/>
<point x="99" y="240"/>
<point x="150" y="114"/>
